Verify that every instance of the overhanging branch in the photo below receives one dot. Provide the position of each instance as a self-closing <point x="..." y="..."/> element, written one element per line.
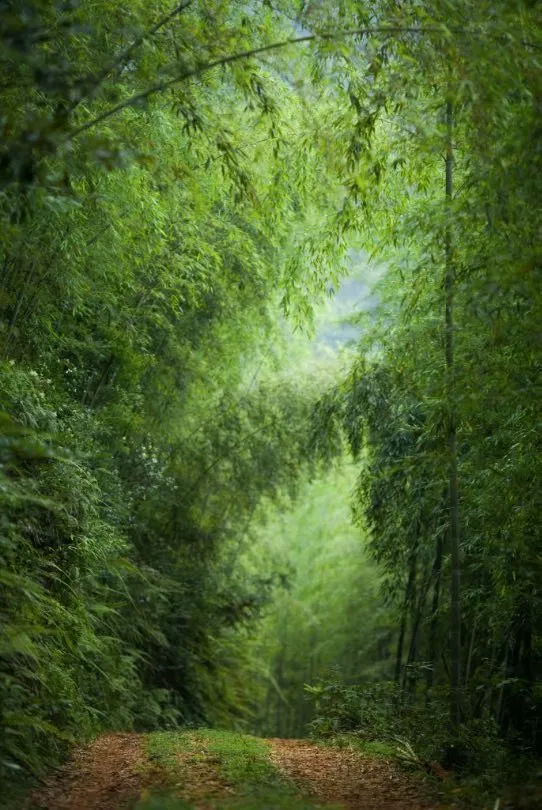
<point x="237" y="57"/>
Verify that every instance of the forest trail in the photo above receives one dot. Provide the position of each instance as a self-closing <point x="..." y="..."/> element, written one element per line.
<point x="105" y="774"/>
<point x="212" y="770"/>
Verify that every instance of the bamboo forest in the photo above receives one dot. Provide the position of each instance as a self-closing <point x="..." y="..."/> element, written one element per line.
<point x="270" y="446"/>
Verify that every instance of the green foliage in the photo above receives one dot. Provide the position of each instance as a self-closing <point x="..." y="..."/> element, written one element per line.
<point x="372" y="711"/>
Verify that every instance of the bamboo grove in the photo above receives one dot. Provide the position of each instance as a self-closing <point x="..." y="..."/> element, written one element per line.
<point x="179" y="183"/>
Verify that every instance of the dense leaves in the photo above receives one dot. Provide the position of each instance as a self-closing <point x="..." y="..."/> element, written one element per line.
<point x="448" y="381"/>
<point x="144" y="256"/>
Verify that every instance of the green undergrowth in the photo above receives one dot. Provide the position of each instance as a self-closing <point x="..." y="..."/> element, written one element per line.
<point x="372" y="748"/>
<point x="14" y="796"/>
<point x="512" y="781"/>
<point x="242" y="761"/>
<point x="518" y="786"/>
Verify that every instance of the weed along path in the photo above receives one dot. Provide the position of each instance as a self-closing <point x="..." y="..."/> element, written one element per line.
<point x="210" y="770"/>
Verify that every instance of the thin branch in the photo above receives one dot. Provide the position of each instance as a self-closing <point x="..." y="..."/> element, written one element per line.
<point x="125" y="55"/>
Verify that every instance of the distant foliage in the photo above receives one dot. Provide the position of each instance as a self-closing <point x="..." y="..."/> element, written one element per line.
<point x="327" y="618"/>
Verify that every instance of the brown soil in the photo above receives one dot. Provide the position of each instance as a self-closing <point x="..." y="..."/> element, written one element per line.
<point x="103" y="775"/>
<point x="347" y="778"/>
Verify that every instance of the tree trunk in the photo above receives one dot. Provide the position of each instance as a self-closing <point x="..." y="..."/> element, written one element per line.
<point x="500" y="698"/>
<point x="453" y="495"/>
<point x="433" y="632"/>
<point x="404" y="614"/>
<point x="281" y="719"/>
<point x="470" y="654"/>
<point x="417" y="613"/>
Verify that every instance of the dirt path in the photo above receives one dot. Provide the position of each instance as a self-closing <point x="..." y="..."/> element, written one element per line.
<point x="103" y="775"/>
<point x="348" y="778"/>
<point x="112" y="772"/>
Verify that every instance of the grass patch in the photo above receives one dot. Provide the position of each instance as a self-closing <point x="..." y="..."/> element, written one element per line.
<point x="242" y="761"/>
<point x="163" y="747"/>
<point x="377" y="748"/>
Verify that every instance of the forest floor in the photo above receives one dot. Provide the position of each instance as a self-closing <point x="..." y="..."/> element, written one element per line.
<point x="209" y="770"/>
